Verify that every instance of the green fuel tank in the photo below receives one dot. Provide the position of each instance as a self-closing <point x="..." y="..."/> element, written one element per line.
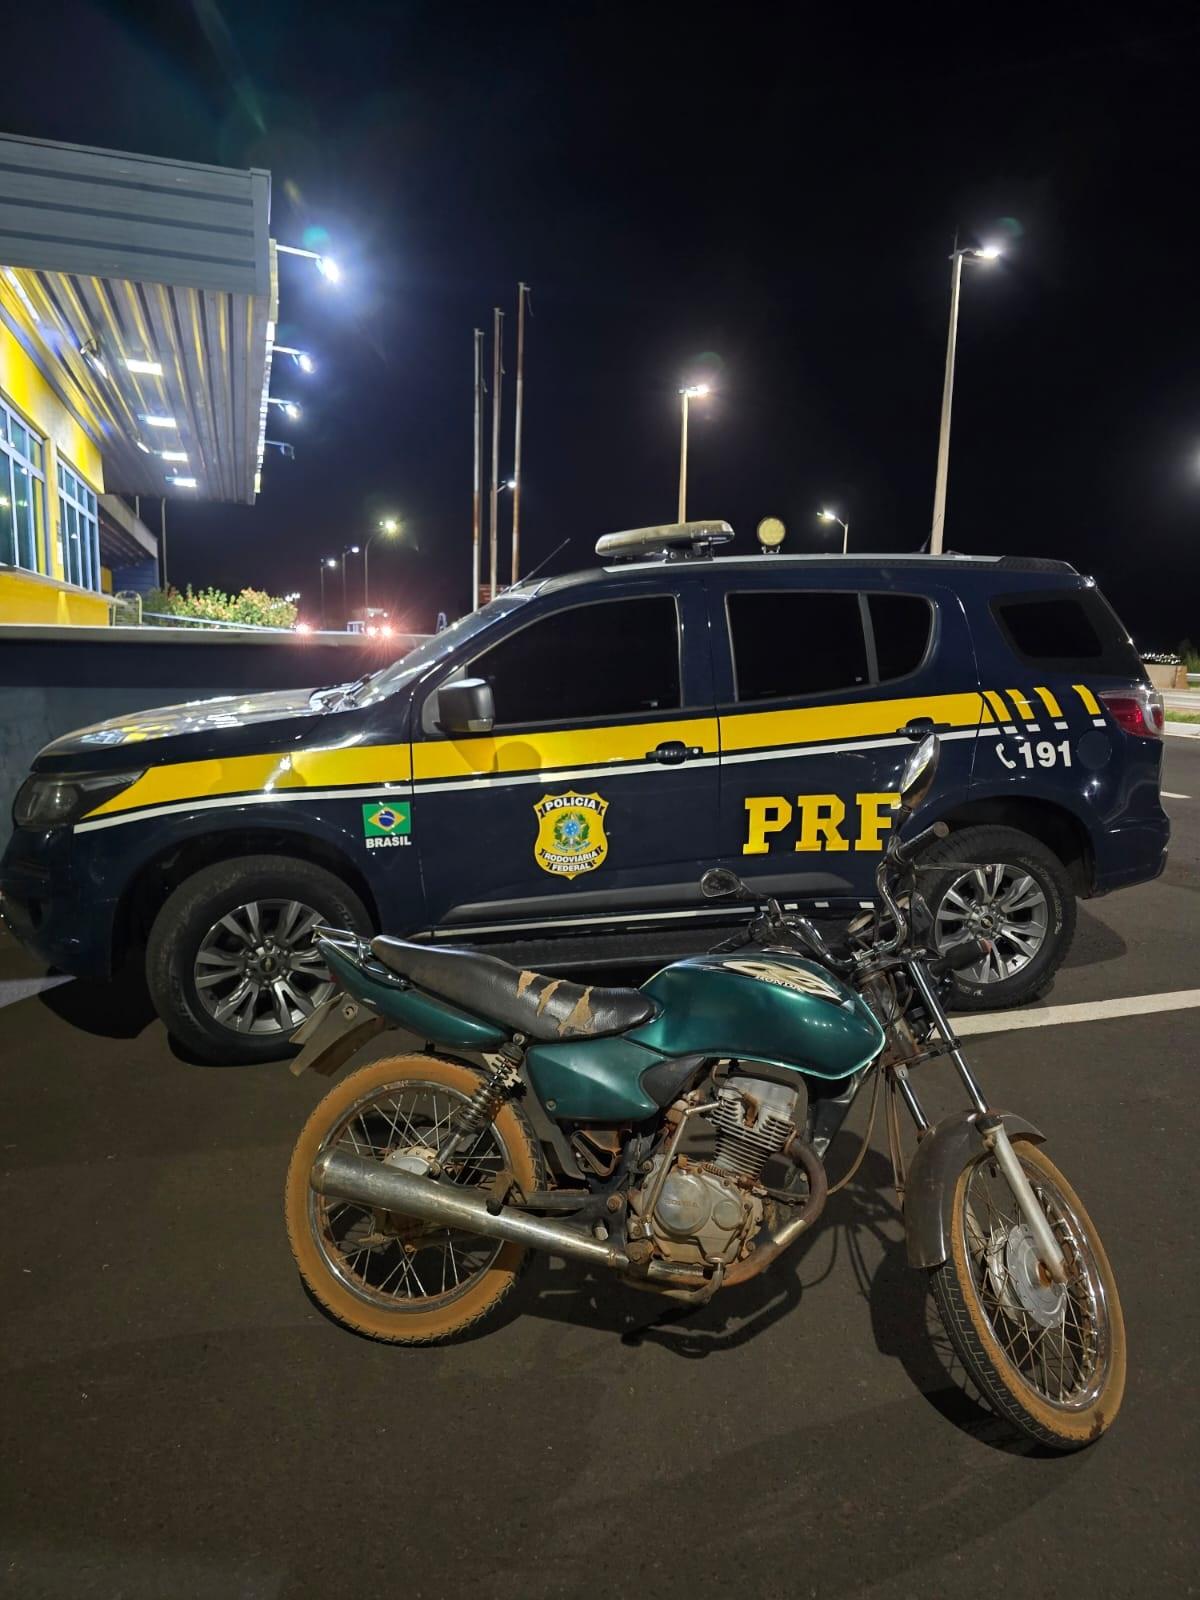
<point x="761" y="1005"/>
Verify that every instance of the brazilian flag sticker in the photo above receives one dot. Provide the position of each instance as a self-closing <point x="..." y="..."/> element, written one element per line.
<point x="382" y="820"/>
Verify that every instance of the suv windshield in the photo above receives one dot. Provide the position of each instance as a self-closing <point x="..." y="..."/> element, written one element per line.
<point x="436" y="648"/>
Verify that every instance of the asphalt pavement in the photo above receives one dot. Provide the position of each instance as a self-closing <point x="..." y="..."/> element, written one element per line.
<point x="178" y="1419"/>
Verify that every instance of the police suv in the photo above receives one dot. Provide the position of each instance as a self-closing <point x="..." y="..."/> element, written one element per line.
<point x="551" y="775"/>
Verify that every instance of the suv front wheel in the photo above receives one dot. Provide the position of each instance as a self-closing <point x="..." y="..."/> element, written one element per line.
<point x="231" y="963"/>
<point x="1000" y="884"/>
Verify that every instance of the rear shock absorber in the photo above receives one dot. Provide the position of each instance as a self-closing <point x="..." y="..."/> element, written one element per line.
<point x="482" y="1108"/>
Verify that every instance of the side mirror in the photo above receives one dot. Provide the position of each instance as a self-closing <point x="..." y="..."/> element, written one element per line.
<point x="718" y="882"/>
<point x="919" y="772"/>
<point x="466" y="707"/>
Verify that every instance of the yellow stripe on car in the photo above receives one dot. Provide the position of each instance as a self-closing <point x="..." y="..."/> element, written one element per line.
<point x="578" y="747"/>
<point x="1024" y="709"/>
<point x="1048" y="700"/>
<point x="863" y="719"/>
<point x="1090" y="704"/>
<point x="301" y="769"/>
<point x="996" y="701"/>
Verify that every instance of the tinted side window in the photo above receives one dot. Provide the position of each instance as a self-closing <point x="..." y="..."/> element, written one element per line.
<point x="801" y="643"/>
<point x="614" y="659"/>
<point x="902" y="624"/>
<point x="1077" y="630"/>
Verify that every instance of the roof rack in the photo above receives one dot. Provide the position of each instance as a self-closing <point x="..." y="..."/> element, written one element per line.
<point x="670" y="539"/>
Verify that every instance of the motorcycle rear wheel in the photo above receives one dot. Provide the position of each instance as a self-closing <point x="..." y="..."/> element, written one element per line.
<point x="1049" y="1359"/>
<point x="391" y="1278"/>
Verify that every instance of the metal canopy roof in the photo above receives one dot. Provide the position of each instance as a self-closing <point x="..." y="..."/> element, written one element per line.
<point x="108" y="258"/>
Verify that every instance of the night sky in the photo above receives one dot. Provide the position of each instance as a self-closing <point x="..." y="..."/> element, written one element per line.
<point x="759" y="196"/>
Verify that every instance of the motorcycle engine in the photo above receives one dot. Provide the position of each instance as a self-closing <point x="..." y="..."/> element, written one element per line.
<point x="707" y="1210"/>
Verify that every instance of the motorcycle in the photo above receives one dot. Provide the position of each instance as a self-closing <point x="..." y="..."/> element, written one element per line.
<point x="675" y="1135"/>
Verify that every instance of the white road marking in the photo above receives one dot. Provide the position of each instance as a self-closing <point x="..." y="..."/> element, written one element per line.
<point x="1137" y="1005"/>
<point x="14" y="989"/>
<point x="1167" y="795"/>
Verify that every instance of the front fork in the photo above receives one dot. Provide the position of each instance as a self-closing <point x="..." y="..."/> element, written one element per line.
<point x="989" y="1125"/>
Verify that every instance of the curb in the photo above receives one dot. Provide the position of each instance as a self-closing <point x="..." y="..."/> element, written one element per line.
<point x="1182" y="730"/>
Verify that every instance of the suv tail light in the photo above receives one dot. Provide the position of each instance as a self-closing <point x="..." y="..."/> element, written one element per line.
<point x="1138" y="710"/>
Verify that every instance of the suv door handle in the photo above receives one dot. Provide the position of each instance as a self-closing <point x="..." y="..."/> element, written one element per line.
<point x="673" y="752"/>
<point x="919" y="727"/>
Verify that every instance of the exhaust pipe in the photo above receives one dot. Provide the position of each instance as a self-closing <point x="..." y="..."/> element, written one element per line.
<point x="370" y="1183"/>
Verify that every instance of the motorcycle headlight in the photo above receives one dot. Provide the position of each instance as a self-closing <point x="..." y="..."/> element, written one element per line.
<point x="47" y="802"/>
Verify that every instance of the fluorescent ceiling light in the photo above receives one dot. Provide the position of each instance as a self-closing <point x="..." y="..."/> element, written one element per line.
<point x="182" y="483"/>
<point x="173" y="455"/>
<point x="160" y="422"/>
<point x="152" y="369"/>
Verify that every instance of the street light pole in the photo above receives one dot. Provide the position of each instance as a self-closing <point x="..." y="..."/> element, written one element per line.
<point x="522" y="297"/>
<point x="477" y="490"/>
<point x="494" y="516"/>
<point x="389" y="525"/>
<point x="694" y="391"/>
<point x="989" y="253"/>
<point x="347" y="550"/>
<point x="832" y="516"/>
<point x="326" y="561"/>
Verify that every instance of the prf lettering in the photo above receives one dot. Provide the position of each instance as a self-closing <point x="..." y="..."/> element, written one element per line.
<point x="818" y="821"/>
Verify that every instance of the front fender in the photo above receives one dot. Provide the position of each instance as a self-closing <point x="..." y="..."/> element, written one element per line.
<point x="929" y="1195"/>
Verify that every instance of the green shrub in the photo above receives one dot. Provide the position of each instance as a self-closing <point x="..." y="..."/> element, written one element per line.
<point x="250" y="608"/>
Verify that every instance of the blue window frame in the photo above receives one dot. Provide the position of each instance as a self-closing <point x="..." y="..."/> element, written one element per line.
<point x="22" y="493"/>
<point x="80" y="528"/>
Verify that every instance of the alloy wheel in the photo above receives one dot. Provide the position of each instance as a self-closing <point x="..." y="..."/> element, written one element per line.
<point x="999" y="902"/>
<point x="257" y="969"/>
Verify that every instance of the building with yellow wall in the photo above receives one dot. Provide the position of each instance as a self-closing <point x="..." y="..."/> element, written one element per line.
<point x="137" y="315"/>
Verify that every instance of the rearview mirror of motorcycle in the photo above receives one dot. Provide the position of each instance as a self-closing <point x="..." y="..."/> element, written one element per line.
<point x="919" y="772"/>
<point x="718" y="882"/>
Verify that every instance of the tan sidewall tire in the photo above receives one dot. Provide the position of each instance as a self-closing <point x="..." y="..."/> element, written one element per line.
<point x="1063" y="1430"/>
<point x="403" y="1327"/>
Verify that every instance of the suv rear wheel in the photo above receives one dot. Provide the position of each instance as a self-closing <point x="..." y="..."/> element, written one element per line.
<point x="1000" y="884"/>
<point x="231" y="963"/>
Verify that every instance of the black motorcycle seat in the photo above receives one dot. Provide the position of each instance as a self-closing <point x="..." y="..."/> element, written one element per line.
<point x="531" y="1003"/>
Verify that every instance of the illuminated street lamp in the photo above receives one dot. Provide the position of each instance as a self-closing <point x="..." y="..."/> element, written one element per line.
<point x="326" y="265"/>
<point x="832" y="516"/>
<point x="289" y="407"/>
<point x="389" y="527"/>
<point x="301" y="357"/>
<point x="347" y="550"/>
<point x="695" y="391"/>
<point x="326" y="561"/>
<point x="989" y="252"/>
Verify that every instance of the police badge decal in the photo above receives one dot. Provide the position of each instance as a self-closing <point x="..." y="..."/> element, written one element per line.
<point x="570" y="837"/>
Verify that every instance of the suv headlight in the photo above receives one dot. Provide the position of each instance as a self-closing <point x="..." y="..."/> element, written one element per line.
<point x="46" y="802"/>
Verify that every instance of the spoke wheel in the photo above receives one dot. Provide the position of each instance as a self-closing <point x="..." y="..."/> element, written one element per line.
<point x="386" y="1275"/>
<point x="257" y="969"/>
<point x="1049" y="1357"/>
<point x="1000" y="902"/>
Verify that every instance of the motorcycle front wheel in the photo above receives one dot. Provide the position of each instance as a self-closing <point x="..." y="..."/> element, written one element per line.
<point x="1049" y="1358"/>
<point x="388" y="1276"/>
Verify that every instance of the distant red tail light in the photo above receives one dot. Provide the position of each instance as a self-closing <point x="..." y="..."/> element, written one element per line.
<point x="1138" y="711"/>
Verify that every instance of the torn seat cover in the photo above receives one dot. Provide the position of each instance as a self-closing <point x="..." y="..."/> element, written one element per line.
<point x="527" y="1002"/>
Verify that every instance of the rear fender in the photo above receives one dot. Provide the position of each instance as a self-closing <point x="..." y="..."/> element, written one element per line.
<point x="929" y="1194"/>
<point x="332" y="1034"/>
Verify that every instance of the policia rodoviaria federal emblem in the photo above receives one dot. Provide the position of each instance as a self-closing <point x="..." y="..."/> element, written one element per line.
<point x="570" y="837"/>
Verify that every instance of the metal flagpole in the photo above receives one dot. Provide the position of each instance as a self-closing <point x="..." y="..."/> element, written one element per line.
<point x="477" y="497"/>
<point x="522" y="296"/>
<point x="494" y="509"/>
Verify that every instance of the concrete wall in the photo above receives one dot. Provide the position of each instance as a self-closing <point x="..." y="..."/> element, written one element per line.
<point x="53" y="680"/>
<point x="1162" y="677"/>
